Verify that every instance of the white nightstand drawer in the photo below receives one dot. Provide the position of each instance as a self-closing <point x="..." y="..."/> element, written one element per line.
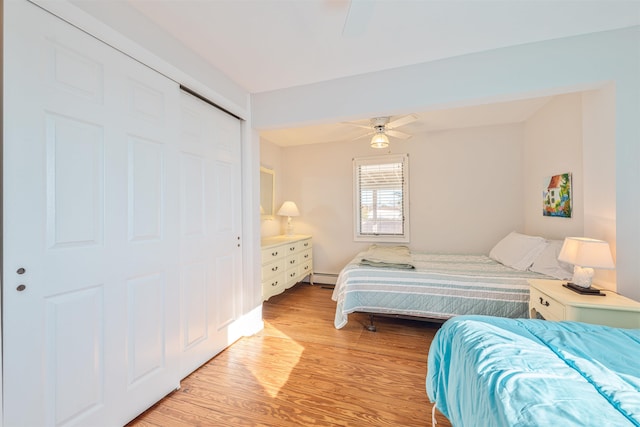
<point x="555" y="302"/>
<point x="548" y="307"/>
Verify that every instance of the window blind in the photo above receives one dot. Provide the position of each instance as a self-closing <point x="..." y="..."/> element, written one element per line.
<point x="381" y="189"/>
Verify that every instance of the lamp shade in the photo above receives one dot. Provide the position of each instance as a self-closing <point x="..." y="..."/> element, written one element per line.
<point x="288" y="208"/>
<point x="586" y="252"/>
<point x="379" y="140"/>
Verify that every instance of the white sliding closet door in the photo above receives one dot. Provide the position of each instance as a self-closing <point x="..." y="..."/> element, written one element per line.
<point x="91" y="228"/>
<point x="210" y="224"/>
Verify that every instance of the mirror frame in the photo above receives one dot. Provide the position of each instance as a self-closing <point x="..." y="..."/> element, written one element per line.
<point x="267" y="179"/>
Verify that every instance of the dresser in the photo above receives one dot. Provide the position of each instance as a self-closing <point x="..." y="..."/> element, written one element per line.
<point x="550" y="300"/>
<point x="286" y="260"/>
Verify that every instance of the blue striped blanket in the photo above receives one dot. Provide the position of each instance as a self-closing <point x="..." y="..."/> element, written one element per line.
<point x="441" y="286"/>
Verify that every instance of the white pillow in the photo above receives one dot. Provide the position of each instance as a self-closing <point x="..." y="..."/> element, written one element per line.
<point x="547" y="262"/>
<point x="518" y="250"/>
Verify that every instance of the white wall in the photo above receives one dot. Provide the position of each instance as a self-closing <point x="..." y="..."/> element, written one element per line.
<point x="465" y="191"/>
<point x="599" y="163"/>
<point x="550" y="67"/>
<point x="575" y="133"/>
<point x="553" y="145"/>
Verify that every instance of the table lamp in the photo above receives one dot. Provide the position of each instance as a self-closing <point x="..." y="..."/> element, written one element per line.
<point x="289" y="209"/>
<point x="585" y="254"/>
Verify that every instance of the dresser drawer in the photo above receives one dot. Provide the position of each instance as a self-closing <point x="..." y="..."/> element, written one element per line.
<point x="306" y="244"/>
<point x="292" y="276"/>
<point x="272" y="269"/>
<point x="305" y="255"/>
<point x="548" y="307"/>
<point x="291" y="262"/>
<point x="306" y="269"/>
<point x="273" y="286"/>
<point x="291" y="249"/>
<point x="272" y="254"/>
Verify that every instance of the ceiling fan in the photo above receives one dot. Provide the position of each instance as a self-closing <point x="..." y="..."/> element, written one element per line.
<point x="383" y="127"/>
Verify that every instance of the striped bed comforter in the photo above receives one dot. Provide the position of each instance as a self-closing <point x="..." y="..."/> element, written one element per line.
<point x="441" y="286"/>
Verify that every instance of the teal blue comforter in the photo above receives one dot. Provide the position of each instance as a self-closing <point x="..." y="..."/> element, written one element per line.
<point x="489" y="371"/>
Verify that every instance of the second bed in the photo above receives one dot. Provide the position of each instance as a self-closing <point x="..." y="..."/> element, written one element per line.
<point x="433" y="286"/>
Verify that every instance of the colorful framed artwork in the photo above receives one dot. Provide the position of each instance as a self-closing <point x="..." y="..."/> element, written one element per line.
<point x="556" y="196"/>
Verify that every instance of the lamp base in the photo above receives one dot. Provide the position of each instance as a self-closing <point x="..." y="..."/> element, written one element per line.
<point x="582" y="276"/>
<point x="583" y="291"/>
<point x="289" y="227"/>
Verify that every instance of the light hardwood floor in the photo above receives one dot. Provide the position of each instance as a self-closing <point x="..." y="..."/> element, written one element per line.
<point x="301" y="371"/>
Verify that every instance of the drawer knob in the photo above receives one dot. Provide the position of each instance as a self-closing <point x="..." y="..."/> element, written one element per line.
<point x="292" y="248"/>
<point x="274" y="268"/>
<point x="275" y="283"/>
<point x="545" y="303"/>
<point x="274" y="253"/>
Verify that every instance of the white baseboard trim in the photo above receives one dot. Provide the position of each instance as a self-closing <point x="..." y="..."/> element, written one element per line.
<point x="325" y="278"/>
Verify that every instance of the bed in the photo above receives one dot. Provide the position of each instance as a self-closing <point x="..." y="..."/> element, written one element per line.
<point x="494" y="371"/>
<point x="439" y="286"/>
<point x="392" y="280"/>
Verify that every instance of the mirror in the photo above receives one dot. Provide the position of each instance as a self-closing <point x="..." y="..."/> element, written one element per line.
<point x="267" y="189"/>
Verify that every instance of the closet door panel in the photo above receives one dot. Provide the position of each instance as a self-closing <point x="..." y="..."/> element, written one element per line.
<point x="210" y="224"/>
<point x="227" y="214"/>
<point x="146" y="326"/>
<point x="194" y="305"/>
<point x="146" y="189"/>
<point x="90" y="228"/>
<point x="225" y="295"/>
<point x="145" y="179"/>
<point x="75" y="182"/>
<point x="75" y="324"/>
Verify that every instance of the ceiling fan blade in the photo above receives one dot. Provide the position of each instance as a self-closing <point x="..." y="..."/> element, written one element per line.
<point x="363" y="135"/>
<point x="360" y="125"/>
<point x="405" y="120"/>
<point x="397" y="134"/>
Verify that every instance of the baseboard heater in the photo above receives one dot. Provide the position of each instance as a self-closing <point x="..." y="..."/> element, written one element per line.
<point x="325" y="278"/>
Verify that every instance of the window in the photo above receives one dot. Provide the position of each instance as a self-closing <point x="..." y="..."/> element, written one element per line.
<point x="381" y="198"/>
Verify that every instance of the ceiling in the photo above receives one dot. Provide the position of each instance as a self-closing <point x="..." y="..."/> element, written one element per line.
<point x="429" y="121"/>
<point x="266" y="45"/>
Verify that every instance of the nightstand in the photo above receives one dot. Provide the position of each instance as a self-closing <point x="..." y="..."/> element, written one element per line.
<point x="552" y="301"/>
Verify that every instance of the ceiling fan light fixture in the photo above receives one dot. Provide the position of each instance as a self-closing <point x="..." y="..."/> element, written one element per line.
<point x="379" y="140"/>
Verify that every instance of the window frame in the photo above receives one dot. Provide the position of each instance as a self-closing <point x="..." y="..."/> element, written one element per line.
<point x="358" y="236"/>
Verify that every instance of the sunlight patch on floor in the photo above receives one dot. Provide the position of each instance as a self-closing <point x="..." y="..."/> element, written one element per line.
<point x="273" y="377"/>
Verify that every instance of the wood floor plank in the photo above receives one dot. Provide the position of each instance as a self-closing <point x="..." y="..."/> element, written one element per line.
<point x="301" y="371"/>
